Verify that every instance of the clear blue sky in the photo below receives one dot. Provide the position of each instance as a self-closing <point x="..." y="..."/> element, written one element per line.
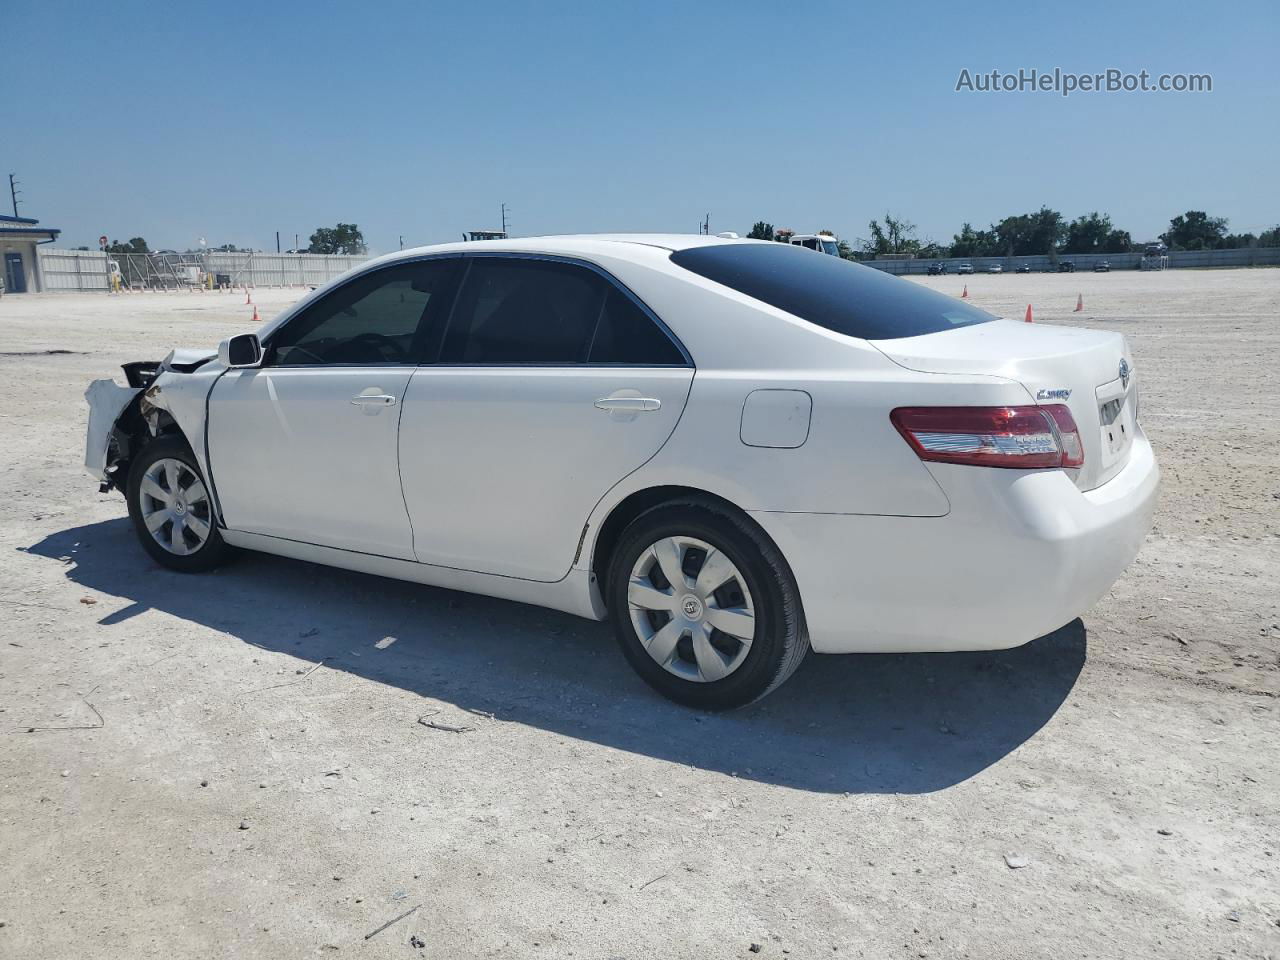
<point x="233" y="120"/>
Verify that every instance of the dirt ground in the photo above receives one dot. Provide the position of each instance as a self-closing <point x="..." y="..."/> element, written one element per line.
<point x="1109" y="791"/>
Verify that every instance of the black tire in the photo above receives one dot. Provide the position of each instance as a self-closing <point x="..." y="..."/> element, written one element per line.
<point x="780" y="641"/>
<point x="214" y="551"/>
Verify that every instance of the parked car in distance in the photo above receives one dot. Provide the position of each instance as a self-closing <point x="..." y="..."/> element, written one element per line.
<point x="965" y="268"/>
<point x="733" y="450"/>
<point x="937" y="269"/>
<point x="1102" y="266"/>
<point x="1022" y="268"/>
<point x="1066" y="266"/>
<point x="994" y="268"/>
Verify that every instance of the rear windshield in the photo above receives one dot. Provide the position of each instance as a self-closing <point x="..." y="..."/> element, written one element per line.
<point x="828" y="291"/>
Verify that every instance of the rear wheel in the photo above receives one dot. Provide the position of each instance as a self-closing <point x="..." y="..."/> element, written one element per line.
<point x="704" y="606"/>
<point x="172" y="510"/>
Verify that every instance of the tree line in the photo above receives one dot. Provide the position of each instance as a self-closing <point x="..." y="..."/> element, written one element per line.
<point x="1044" y="232"/>
<point x="344" y="238"/>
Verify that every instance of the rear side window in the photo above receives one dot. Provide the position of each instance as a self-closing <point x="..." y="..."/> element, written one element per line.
<point x="842" y="296"/>
<point x="527" y="310"/>
<point x="626" y="334"/>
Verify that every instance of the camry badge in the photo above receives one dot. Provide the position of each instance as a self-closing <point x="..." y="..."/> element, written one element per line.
<point x="1059" y="394"/>
<point x="1124" y="373"/>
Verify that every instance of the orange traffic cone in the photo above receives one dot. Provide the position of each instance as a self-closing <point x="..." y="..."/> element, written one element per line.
<point x="965" y="293"/>
<point x="1029" y="320"/>
<point x="255" y="314"/>
<point x="1079" y="303"/>
<point x="248" y="297"/>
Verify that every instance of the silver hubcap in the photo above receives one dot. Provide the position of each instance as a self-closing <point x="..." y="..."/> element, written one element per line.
<point x="691" y="609"/>
<point x="175" y="506"/>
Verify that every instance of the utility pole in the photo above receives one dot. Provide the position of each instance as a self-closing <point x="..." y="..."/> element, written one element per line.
<point x="504" y="219"/>
<point x="402" y="241"/>
<point x="295" y="243"/>
<point x="277" y="241"/>
<point x="13" y="193"/>
<point x="706" y="226"/>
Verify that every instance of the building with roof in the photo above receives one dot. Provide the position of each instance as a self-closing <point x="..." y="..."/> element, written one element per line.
<point x="19" y="265"/>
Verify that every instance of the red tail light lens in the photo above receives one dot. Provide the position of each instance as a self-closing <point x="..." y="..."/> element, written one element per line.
<point x="1021" y="438"/>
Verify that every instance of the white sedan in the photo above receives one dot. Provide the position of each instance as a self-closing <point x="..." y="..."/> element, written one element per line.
<point x="734" y="450"/>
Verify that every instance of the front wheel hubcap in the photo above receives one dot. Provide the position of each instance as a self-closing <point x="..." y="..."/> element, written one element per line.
<point x="175" y="507"/>
<point x="691" y="609"/>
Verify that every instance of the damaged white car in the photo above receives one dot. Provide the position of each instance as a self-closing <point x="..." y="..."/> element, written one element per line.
<point x="736" y="450"/>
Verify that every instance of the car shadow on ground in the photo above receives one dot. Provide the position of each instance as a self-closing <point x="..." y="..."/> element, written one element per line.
<point x="857" y="724"/>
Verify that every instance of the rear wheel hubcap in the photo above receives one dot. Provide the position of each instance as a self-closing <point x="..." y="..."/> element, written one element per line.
<point x="691" y="609"/>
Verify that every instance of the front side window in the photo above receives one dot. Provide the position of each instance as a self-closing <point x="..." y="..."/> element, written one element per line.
<point x="830" y="292"/>
<point x="377" y="319"/>
<point x="528" y="310"/>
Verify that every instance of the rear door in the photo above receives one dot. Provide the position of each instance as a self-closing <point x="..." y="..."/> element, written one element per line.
<point x="553" y="384"/>
<point x="304" y="448"/>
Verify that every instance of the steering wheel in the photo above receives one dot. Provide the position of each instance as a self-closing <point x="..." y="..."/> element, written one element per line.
<point x="379" y="341"/>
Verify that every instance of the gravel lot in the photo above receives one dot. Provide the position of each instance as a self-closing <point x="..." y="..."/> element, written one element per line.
<point x="1111" y="790"/>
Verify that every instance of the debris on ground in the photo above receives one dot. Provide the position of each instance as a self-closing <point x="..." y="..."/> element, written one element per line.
<point x="390" y="922"/>
<point x="244" y="824"/>
<point x="426" y="721"/>
<point x="1016" y="861"/>
<point x="417" y="942"/>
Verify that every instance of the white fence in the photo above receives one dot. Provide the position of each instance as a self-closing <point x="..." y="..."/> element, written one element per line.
<point x="1241" y="257"/>
<point x="279" y="269"/>
<point x="70" y="270"/>
<point x="88" y="270"/>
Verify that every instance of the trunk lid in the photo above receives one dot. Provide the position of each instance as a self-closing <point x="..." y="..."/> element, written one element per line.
<point x="1091" y="371"/>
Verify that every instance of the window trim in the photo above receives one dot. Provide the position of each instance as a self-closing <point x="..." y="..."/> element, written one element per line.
<point x="570" y="365"/>
<point x="420" y="358"/>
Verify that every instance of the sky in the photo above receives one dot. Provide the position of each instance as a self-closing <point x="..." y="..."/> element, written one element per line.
<point x="231" y="121"/>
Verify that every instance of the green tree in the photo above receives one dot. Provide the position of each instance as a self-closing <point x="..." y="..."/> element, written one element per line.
<point x="1026" y="234"/>
<point x="895" y="236"/>
<point x="1087" y="234"/>
<point x="761" y="231"/>
<point x="1234" y="241"/>
<point x="1195" y="230"/>
<point x="1270" y="238"/>
<point x="135" y="245"/>
<point x="1118" y="241"/>
<point x="974" y="243"/>
<point x="344" y="238"/>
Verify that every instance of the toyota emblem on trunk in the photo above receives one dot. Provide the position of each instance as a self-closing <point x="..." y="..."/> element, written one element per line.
<point x="1124" y="373"/>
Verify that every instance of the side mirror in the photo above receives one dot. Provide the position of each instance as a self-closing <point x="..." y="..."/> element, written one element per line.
<point x="242" y="350"/>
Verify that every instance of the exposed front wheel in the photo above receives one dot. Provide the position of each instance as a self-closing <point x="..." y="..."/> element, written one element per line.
<point x="172" y="509"/>
<point x="704" y="606"/>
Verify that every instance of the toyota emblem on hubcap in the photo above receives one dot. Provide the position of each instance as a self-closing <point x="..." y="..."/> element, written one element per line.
<point x="692" y="607"/>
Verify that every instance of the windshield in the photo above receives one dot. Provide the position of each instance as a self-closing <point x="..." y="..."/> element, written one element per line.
<point x="829" y="291"/>
<point x="831" y="247"/>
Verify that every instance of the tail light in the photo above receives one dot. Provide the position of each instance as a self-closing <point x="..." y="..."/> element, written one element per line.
<point x="1022" y="438"/>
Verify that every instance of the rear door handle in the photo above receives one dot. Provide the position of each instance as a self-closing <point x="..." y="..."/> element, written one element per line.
<point x="374" y="400"/>
<point x="629" y="403"/>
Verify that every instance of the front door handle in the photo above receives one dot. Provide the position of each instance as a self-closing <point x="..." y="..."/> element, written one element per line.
<point x="374" y="400"/>
<point x="629" y="404"/>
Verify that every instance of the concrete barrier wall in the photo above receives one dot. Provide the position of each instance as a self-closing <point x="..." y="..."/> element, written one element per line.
<point x="1243" y="257"/>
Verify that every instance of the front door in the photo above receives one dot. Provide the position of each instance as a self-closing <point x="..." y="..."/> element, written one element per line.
<point x="553" y="385"/>
<point x="15" y="277"/>
<point x="304" y="448"/>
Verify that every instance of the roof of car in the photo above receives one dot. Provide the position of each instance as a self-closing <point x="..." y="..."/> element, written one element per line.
<point x="573" y="243"/>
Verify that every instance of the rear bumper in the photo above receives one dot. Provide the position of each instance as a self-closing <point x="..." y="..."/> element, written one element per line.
<point x="1019" y="555"/>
